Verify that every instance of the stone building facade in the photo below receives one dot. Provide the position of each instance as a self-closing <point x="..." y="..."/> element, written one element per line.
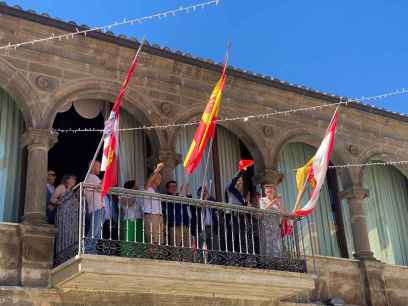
<point x="171" y="87"/>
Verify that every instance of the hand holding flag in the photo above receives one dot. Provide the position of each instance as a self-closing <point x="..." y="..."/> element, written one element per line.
<point x="244" y="164"/>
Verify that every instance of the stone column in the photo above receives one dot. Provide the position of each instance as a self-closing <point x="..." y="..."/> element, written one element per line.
<point x="170" y="160"/>
<point x="38" y="142"/>
<point x="355" y="198"/>
<point x="269" y="176"/>
<point x="37" y="237"/>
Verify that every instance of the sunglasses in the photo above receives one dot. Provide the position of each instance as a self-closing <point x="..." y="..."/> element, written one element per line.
<point x="52" y="174"/>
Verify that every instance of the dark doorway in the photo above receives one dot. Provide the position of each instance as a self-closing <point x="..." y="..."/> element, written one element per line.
<point x="73" y="151"/>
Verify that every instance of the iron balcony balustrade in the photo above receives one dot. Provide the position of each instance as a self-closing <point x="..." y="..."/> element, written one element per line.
<point x="178" y="229"/>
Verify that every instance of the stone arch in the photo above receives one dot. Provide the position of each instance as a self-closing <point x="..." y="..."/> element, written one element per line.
<point x="302" y="135"/>
<point x="379" y="153"/>
<point x="253" y="144"/>
<point x="22" y="92"/>
<point x="91" y="89"/>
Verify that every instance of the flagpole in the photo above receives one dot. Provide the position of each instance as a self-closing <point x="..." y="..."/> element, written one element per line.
<point x="212" y="138"/>
<point x="103" y="135"/>
<point x="206" y="167"/>
<point x="94" y="157"/>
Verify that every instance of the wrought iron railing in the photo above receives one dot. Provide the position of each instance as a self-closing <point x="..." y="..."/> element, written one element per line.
<point x="156" y="226"/>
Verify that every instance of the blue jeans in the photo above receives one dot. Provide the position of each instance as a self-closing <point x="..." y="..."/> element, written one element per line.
<point x="94" y="232"/>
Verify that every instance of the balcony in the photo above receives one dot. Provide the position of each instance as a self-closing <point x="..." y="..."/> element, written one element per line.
<point x="195" y="248"/>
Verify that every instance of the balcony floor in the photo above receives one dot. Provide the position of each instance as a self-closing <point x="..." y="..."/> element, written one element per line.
<point x="120" y="274"/>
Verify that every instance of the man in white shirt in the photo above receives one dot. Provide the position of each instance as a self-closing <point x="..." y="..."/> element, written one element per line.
<point x="95" y="209"/>
<point x="152" y="208"/>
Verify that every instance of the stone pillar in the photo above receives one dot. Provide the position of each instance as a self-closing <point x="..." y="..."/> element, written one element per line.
<point x="37" y="237"/>
<point x="355" y="198"/>
<point x="269" y="176"/>
<point x="38" y="142"/>
<point x="10" y="254"/>
<point x="170" y="160"/>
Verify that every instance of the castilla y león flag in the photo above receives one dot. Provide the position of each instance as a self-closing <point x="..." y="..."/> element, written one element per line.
<point x="206" y="128"/>
<point x="111" y="134"/>
<point x="314" y="172"/>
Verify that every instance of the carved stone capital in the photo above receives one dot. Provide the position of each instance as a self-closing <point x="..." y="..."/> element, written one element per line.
<point x="170" y="158"/>
<point x="40" y="139"/>
<point x="355" y="193"/>
<point x="269" y="176"/>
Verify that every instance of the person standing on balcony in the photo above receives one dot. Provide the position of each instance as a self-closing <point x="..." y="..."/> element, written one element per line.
<point x="131" y="208"/>
<point x="95" y="209"/>
<point x="177" y="219"/>
<point x="63" y="198"/>
<point x="234" y="195"/>
<point x="50" y="209"/>
<point x="272" y="201"/>
<point x="153" y="216"/>
<point x="210" y="221"/>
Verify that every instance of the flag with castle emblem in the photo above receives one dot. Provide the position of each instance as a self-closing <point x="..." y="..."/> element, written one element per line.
<point x="206" y="128"/>
<point x="111" y="134"/>
<point x="314" y="172"/>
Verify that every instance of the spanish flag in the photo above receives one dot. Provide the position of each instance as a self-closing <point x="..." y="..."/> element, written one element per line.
<point x="314" y="172"/>
<point x="206" y="128"/>
<point x="111" y="134"/>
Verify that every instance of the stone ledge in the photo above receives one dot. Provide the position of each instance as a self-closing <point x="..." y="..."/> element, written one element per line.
<point x="116" y="274"/>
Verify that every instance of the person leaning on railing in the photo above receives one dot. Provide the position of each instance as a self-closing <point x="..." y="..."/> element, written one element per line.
<point x="152" y="208"/>
<point x="95" y="210"/>
<point x="131" y="229"/>
<point x="64" y="200"/>
<point x="234" y="194"/>
<point x="177" y="218"/>
<point x="272" y="201"/>
<point x="209" y="217"/>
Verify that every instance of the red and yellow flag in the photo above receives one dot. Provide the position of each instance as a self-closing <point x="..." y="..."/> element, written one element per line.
<point x="111" y="134"/>
<point x="206" y="128"/>
<point x="314" y="172"/>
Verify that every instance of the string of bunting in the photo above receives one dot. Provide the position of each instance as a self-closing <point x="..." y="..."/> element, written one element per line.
<point x="105" y="28"/>
<point x="248" y="117"/>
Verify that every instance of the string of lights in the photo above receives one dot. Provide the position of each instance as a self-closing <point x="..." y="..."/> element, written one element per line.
<point x="343" y="101"/>
<point x="386" y="163"/>
<point x="358" y="165"/>
<point x="174" y="12"/>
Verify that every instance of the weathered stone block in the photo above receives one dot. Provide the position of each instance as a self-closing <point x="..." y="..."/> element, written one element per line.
<point x="10" y="254"/>
<point x="37" y="254"/>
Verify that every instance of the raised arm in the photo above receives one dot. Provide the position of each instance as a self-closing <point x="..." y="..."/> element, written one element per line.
<point x="154" y="175"/>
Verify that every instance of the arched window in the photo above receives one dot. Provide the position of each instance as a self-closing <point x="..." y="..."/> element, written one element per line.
<point x="73" y="151"/>
<point x="132" y="151"/>
<point x="386" y="209"/>
<point x="11" y="129"/>
<point x="322" y="221"/>
<point x="223" y="160"/>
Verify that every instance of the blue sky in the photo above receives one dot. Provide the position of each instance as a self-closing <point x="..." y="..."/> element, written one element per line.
<point x="350" y="48"/>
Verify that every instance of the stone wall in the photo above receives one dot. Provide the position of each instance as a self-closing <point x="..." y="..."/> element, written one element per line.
<point x="354" y="281"/>
<point x="169" y="87"/>
<point x="368" y="282"/>
<point x="13" y="296"/>
<point x="10" y="254"/>
<point x="337" y="277"/>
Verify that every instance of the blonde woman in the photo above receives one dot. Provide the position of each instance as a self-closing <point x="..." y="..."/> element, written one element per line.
<point x="272" y="238"/>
